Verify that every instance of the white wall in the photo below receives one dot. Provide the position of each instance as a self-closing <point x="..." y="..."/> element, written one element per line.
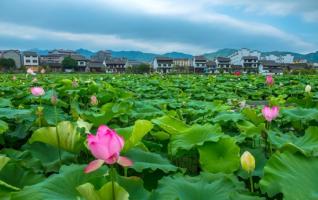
<point x="30" y="60"/>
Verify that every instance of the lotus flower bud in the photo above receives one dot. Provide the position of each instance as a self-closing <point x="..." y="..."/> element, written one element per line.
<point x="94" y="100"/>
<point x="42" y="71"/>
<point x="54" y="99"/>
<point x="269" y="80"/>
<point x="75" y="84"/>
<point x="14" y="78"/>
<point x="34" y="80"/>
<point x="37" y="91"/>
<point x="308" y="88"/>
<point x="248" y="162"/>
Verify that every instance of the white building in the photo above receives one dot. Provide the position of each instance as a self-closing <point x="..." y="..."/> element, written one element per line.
<point x="237" y="57"/>
<point x="163" y="64"/>
<point x="30" y="58"/>
<point x="288" y="58"/>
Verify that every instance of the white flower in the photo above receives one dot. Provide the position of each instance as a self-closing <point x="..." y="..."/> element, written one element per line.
<point x="307" y="88"/>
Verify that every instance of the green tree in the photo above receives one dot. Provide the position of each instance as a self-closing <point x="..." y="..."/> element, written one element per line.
<point x="69" y="63"/>
<point x="7" y="64"/>
<point x="140" y="69"/>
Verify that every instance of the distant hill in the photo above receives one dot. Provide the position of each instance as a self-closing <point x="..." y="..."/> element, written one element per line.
<point x="84" y="52"/>
<point x="177" y="55"/>
<point x="134" y="55"/>
<point x="221" y="53"/>
<point x="148" y="57"/>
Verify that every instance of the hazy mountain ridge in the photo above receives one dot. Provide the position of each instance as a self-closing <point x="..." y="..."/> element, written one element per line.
<point x="148" y="57"/>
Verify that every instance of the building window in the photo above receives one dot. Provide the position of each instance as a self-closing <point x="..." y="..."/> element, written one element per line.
<point x="35" y="61"/>
<point x="27" y="61"/>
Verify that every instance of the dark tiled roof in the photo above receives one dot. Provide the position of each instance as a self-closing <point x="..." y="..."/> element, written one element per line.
<point x="236" y="66"/>
<point x="116" y="62"/>
<point x="30" y="53"/>
<point x="164" y="59"/>
<point x="95" y="64"/>
<point x="250" y="58"/>
<point x="210" y="63"/>
<point x="200" y="58"/>
<point x="223" y="59"/>
<point x="78" y="57"/>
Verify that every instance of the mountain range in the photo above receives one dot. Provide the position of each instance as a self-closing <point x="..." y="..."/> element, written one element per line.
<point x="147" y="57"/>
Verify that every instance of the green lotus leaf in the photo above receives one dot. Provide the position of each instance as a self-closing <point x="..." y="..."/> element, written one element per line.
<point x="70" y="139"/>
<point x="62" y="185"/>
<point x="3" y="126"/>
<point x="307" y="144"/>
<point x="204" y="186"/>
<point x="11" y="113"/>
<point x="170" y="125"/>
<point x="88" y="191"/>
<point x="134" y="186"/>
<point x="293" y="175"/>
<point x="221" y="156"/>
<point x="196" y="135"/>
<point x="300" y="114"/>
<point x="249" y="129"/>
<point x="251" y="115"/>
<point x="228" y="116"/>
<point x="139" y="130"/>
<point x="149" y="160"/>
<point x="15" y="176"/>
<point x="4" y="102"/>
<point x="3" y="161"/>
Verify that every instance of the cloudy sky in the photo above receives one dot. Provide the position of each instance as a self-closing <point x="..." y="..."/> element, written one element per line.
<point x="190" y="26"/>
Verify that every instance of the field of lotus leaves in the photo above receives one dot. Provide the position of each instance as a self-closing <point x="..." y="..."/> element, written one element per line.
<point x="140" y="137"/>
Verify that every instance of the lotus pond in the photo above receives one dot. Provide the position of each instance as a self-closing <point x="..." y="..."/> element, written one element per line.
<point x="140" y="137"/>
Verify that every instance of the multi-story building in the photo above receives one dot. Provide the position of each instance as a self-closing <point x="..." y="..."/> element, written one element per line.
<point x="102" y="56"/>
<point x="182" y="65"/>
<point x="210" y="67"/>
<point x="237" y="57"/>
<point x="288" y="58"/>
<point x="199" y="64"/>
<point x="163" y="64"/>
<point x="62" y="52"/>
<point x="270" y="67"/>
<point x="223" y="65"/>
<point x="250" y="64"/>
<point x="30" y="59"/>
<point x="14" y="55"/>
<point x="81" y="62"/>
<point x="115" y="65"/>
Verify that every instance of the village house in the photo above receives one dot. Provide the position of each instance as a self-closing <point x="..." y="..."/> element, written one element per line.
<point x="182" y="65"/>
<point x="96" y="66"/>
<point x="223" y="65"/>
<point x="270" y="67"/>
<point x="199" y="64"/>
<point x="31" y="59"/>
<point x="81" y="62"/>
<point x="101" y="56"/>
<point x="115" y="65"/>
<point x="210" y="67"/>
<point x="163" y="64"/>
<point x="53" y="61"/>
<point x="250" y="64"/>
<point x="14" y="55"/>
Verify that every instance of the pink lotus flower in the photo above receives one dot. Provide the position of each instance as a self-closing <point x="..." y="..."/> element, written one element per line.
<point x="94" y="100"/>
<point x="269" y="80"/>
<point x="270" y="113"/>
<point x="37" y="91"/>
<point x="30" y="71"/>
<point x="106" y="146"/>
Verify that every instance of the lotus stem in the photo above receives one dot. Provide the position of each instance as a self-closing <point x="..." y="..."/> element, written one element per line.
<point x="251" y="182"/>
<point x="112" y="176"/>
<point x="57" y="135"/>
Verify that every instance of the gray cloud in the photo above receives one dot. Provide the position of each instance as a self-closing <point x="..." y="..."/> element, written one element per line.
<point x="148" y="25"/>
